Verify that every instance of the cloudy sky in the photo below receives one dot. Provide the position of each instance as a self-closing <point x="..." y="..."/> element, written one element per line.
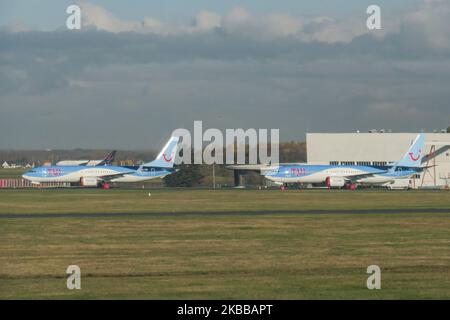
<point x="139" y="69"/>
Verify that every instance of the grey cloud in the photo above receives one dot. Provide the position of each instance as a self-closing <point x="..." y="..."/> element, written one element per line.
<point x="131" y="89"/>
<point x="35" y="62"/>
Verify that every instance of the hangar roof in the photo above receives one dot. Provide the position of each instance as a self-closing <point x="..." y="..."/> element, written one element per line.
<point x="389" y="147"/>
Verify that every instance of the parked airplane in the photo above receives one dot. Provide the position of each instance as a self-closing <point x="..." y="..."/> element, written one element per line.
<point x="342" y="175"/>
<point x="107" y="161"/>
<point x="90" y="176"/>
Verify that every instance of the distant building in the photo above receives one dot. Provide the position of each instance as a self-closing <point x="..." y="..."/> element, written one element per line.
<point x="379" y="149"/>
<point x="376" y="148"/>
<point x="6" y="165"/>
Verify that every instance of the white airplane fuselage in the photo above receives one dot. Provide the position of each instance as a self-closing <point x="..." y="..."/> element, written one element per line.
<point x="320" y="173"/>
<point x="75" y="174"/>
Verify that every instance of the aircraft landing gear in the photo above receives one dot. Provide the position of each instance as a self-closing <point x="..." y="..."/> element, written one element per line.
<point x="351" y="186"/>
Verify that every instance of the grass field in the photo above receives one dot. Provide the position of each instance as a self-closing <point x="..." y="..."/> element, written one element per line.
<point x="278" y="256"/>
<point x="173" y="200"/>
<point x="12" y="173"/>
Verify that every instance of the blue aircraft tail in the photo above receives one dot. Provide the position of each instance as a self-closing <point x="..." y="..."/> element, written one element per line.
<point x="166" y="158"/>
<point x="413" y="157"/>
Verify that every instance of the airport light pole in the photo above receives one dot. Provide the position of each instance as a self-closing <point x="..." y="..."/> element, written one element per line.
<point x="214" y="175"/>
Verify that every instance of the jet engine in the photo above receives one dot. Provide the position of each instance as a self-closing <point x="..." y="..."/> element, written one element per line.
<point x="334" y="182"/>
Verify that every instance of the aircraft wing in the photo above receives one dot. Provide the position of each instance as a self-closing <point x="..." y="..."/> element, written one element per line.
<point x="110" y="177"/>
<point x="356" y="177"/>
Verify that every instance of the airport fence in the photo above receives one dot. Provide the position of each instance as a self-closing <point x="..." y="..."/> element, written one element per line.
<point x="22" y="184"/>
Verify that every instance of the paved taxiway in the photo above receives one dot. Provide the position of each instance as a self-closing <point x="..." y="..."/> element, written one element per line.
<point x="214" y="214"/>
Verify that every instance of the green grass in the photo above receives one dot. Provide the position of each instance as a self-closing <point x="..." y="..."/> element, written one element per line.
<point x="224" y="257"/>
<point x="116" y="200"/>
<point x="12" y="173"/>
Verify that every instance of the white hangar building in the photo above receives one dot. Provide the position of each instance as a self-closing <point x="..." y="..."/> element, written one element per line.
<point x="378" y="148"/>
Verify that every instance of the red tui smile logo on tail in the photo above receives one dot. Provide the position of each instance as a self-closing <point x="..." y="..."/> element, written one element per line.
<point x="165" y="158"/>
<point x="413" y="158"/>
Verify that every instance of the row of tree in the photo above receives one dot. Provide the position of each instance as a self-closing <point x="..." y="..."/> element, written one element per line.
<point x="191" y="175"/>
